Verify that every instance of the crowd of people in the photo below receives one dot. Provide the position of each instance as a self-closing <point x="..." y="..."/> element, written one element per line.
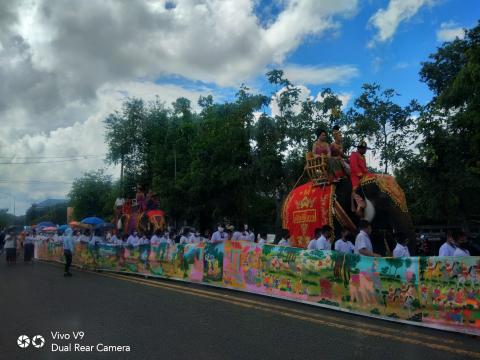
<point x="348" y="243"/>
<point x="11" y="244"/>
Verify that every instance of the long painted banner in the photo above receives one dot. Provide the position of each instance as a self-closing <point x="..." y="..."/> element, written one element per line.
<point x="438" y="292"/>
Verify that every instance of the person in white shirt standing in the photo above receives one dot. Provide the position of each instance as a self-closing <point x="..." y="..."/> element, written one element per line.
<point x="401" y="250"/>
<point x="219" y="236"/>
<point x="461" y="241"/>
<point x="155" y="239"/>
<point x="323" y="242"/>
<point x="322" y="239"/>
<point x="344" y="245"/>
<point x="28" y="247"/>
<point x="448" y="247"/>
<point x="116" y="240"/>
<point x="194" y="237"/>
<point x="285" y="240"/>
<point x="261" y="239"/>
<point x="133" y="239"/>
<point x="245" y="235"/>
<point x="185" y="236"/>
<point x="312" y="245"/>
<point x="363" y="244"/>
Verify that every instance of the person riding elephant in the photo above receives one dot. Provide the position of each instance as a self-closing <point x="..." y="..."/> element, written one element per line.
<point x="320" y="146"/>
<point x="339" y="166"/>
<point x="358" y="170"/>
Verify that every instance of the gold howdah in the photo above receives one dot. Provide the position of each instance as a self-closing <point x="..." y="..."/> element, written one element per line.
<point x="317" y="168"/>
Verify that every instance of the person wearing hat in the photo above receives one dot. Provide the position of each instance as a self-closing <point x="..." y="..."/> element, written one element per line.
<point x="358" y="169"/>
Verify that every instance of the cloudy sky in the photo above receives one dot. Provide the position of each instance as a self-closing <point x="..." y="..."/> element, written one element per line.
<point x="65" y="65"/>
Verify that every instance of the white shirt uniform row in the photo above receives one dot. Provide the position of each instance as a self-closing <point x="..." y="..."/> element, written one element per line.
<point x="243" y="235"/>
<point x="448" y="249"/>
<point x="322" y="243"/>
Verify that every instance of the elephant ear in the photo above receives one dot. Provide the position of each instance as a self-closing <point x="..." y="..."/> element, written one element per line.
<point x="388" y="185"/>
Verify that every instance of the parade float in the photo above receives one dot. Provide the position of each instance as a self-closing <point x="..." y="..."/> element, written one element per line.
<point x="130" y="215"/>
<point x="321" y="202"/>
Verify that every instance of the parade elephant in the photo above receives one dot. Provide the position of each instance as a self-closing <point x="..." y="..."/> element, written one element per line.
<point x="310" y="206"/>
<point x="146" y="222"/>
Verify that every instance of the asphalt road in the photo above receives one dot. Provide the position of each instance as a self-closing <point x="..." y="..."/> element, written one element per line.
<point x="161" y="319"/>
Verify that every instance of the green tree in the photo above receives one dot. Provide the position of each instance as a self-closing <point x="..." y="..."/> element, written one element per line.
<point x="391" y="127"/>
<point x="91" y="195"/>
<point x="443" y="179"/>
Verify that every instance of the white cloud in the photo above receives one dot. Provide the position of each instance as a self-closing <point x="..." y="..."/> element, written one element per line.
<point x="81" y="138"/>
<point x="449" y="31"/>
<point x="65" y="65"/>
<point x="386" y="21"/>
<point x="317" y="75"/>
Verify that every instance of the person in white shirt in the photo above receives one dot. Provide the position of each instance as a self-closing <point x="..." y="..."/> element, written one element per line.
<point x="245" y="235"/>
<point x="363" y="244"/>
<point x="116" y="240"/>
<point x="184" y="237"/>
<point x="219" y="236"/>
<point x="133" y="239"/>
<point x="323" y="242"/>
<point x="194" y="237"/>
<point x="155" y="239"/>
<point x="448" y="248"/>
<point x="261" y="239"/>
<point x="285" y="240"/>
<point x="143" y="240"/>
<point x="28" y="247"/>
<point x="96" y="238"/>
<point x="401" y="249"/>
<point x="165" y="238"/>
<point x="84" y="238"/>
<point x="344" y="245"/>
<point x="10" y="247"/>
<point x="312" y="245"/>
<point x="461" y="241"/>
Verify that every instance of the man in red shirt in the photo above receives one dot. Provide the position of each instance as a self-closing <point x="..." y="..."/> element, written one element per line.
<point x="358" y="169"/>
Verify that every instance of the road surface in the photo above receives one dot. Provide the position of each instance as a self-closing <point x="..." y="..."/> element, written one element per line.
<point x="161" y="319"/>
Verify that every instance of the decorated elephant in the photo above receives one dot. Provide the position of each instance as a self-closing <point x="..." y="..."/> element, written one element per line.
<point x="146" y="222"/>
<point x="312" y="205"/>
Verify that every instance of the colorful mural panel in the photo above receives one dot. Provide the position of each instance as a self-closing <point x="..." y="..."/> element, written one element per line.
<point x="440" y="292"/>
